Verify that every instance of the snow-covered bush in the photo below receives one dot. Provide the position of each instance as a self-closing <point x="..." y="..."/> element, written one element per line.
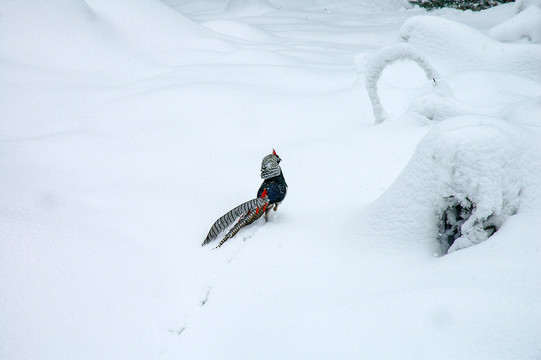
<point x="459" y="4"/>
<point x="479" y="166"/>
<point x="456" y="214"/>
<point x="466" y="173"/>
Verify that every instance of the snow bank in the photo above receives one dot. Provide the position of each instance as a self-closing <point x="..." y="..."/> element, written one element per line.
<point x="454" y="47"/>
<point x="102" y="35"/>
<point x="469" y="157"/>
<point x="59" y="33"/>
<point x="526" y="24"/>
<point x="157" y="30"/>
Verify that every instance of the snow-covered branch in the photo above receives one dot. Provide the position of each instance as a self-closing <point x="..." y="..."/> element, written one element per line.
<point x="387" y="56"/>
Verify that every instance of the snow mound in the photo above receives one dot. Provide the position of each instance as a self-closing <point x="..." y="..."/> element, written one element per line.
<point x="55" y="34"/>
<point x="442" y="40"/>
<point x="101" y="35"/>
<point x="526" y="24"/>
<point x="464" y="159"/>
<point x="158" y="31"/>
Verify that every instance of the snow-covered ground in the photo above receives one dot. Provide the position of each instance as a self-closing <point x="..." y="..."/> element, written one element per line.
<point x="129" y="127"/>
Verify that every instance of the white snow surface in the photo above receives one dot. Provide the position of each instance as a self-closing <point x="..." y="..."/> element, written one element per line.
<point x="444" y="39"/>
<point x="522" y="5"/>
<point x="525" y="25"/>
<point x="129" y="127"/>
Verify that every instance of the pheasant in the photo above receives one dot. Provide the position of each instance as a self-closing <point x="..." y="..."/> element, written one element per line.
<point x="270" y="194"/>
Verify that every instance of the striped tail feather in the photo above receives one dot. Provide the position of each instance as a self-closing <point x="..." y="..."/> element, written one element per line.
<point x="240" y="213"/>
<point x="245" y="220"/>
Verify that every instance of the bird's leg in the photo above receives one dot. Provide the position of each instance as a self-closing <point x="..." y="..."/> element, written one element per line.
<point x="274" y="206"/>
<point x="267" y="213"/>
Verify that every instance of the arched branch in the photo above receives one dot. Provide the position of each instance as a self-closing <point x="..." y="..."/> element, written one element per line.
<point x="387" y="56"/>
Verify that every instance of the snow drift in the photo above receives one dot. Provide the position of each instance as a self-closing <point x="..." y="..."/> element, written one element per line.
<point x="525" y="25"/>
<point x="103" y="35"/>
<point x="441" y="39"/>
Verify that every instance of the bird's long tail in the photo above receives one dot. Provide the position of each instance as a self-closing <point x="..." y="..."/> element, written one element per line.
<point x="245" y="214"/>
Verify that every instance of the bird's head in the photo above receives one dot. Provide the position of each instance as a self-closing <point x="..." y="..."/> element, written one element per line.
<point x="270" y="166"/>
<point x="275" y="154"/>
